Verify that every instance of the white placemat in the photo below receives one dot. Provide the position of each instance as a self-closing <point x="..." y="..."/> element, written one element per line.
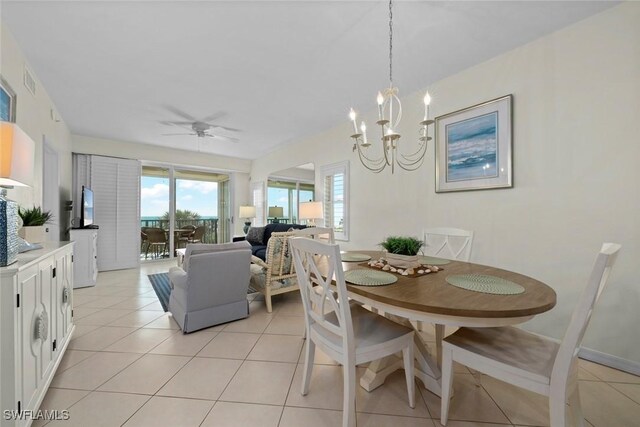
<point x="485" y="284"/>
<point x="367" y="277"/>
<point x="354" y="257"/>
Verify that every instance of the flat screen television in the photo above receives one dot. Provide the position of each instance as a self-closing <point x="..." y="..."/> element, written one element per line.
<point x="86" y="213"/>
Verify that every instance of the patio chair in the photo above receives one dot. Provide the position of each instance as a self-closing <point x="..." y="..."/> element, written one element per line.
<point x="156" y="238"/>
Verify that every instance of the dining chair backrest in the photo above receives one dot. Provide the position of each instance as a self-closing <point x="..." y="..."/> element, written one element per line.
<point x="325" y="234"/>
<point x="198" y="233"/>
<point x="156" y="235"/>
<point x="450" y="243"/>
<point x="320" y="300"/>
<point x="568" y="351"/>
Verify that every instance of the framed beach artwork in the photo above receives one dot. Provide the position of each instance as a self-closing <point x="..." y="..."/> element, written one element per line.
<point x="473" y="147"/>
<point x="7" y="102"/>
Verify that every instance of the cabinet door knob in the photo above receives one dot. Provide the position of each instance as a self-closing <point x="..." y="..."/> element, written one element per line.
<point x="65" y="295"/>
<point x="42" y="327"/>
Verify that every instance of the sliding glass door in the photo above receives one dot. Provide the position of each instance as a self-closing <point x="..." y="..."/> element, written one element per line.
<point x="181" y="206"/>
<point x="155" y="212"/>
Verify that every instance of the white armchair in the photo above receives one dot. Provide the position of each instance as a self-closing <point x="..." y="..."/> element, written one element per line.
<point x="212" y="287"/>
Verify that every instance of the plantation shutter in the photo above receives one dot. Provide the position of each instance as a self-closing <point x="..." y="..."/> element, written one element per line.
<point x="336" y="198"/>
<point x="116" y="189"/>
<point x="257" y="195"/>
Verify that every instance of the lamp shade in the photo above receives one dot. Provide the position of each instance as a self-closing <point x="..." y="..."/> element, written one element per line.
<point x="247" y="212"/>
<point x="276" y="211"/>
<point x="16" y="155"/>
<point x="311" y="210"/>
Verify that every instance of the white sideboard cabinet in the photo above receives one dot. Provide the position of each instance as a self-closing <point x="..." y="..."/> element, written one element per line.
<point x="36" y="300"/>
<point x="85" y="264"/>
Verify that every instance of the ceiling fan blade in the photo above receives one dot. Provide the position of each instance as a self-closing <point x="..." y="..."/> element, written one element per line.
<point x="224" y="138"/>
<point x="214" y="126"/>
<point x="180" y="113"/>
<point x="170" y="123"/>
<point x="214" y="116"/>
<point x="176" y="134"/>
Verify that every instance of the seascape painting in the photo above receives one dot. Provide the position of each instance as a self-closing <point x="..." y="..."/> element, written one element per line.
<point x="472" y="148"/>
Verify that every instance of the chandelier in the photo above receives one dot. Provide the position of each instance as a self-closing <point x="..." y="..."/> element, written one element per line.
<point x="389" y="116"/>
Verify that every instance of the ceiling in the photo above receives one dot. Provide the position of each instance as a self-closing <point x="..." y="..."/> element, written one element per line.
<point x="279" y="71"/>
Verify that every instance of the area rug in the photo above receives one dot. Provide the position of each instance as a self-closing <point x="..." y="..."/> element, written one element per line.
<point x="162" y="285"/>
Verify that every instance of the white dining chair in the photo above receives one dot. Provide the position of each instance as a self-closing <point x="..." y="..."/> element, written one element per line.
<point x="449" y="243"/>
<point x="528" y="360"/>
<point x="325" y="234"/>
<point x="347" y="333"/>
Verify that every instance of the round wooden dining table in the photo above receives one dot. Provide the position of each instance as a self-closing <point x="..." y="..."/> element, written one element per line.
<point x="430" y="298"/>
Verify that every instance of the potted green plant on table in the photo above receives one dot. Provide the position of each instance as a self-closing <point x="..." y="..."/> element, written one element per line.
<point x="402" y="251"/>
<point x="33" y="221"/>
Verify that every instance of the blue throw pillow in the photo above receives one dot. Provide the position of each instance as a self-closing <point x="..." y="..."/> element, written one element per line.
<point x="255" y="236"/>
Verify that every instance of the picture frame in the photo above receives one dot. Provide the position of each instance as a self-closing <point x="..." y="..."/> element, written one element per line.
<point x="474" y="147"/>
<point x="7" y="102"/>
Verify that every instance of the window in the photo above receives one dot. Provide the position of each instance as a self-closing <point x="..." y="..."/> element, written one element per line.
<point x="288" y="195"/>
<point x="335" y="181"/>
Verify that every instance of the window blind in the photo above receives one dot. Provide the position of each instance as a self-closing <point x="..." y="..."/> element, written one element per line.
<point x="335" y="198"/>
<point x="257" y="196"/>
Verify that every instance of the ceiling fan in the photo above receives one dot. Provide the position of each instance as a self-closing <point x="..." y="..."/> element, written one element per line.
<point x="200" y="128"/>
<point x="204" y="130"/>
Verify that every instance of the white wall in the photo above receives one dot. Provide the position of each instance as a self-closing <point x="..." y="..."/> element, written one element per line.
<point x="577" y="183"/>
<point x="296" y="174"/>
<point x="132" y="150"/>
<point x="33" y="115"/>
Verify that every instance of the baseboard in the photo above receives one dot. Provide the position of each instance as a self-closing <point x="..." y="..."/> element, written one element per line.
<point x="609" y="360"/>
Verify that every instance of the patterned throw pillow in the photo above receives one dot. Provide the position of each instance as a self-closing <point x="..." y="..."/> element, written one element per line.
<point x="255" y="235"/>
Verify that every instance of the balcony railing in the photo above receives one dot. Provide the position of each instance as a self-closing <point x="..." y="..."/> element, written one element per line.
<point x="210" y="229"/>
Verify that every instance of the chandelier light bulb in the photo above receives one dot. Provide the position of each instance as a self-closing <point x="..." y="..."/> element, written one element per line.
<point x="380" y="98"/>
<point x="352" y="116"/>
<point x="427" y="99"/>
<point x="363" y="127"/>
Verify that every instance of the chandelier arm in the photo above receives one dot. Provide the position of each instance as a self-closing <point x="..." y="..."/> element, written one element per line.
<point x="411" y="162"/>
<point x="375" y="162"/>
<point x="413" y="156"/>
<point x="399" y="116"/>
<point x="374" y="169"/>
<point x="411" y="167"/>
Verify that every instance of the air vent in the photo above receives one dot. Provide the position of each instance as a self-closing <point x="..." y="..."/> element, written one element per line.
<point x="29" y="81"/>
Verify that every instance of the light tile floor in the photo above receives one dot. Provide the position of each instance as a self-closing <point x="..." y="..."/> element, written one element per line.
<point x="128" y="364"/>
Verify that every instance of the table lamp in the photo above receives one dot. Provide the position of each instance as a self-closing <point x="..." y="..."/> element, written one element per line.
<point x="247" y="212"/>
<point x="276" y="212"/>
<point x="16" y="169"/>
<point x="311" y="211"/>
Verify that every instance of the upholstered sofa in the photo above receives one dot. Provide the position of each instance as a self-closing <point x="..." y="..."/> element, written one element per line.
<point x="259" y="246"/>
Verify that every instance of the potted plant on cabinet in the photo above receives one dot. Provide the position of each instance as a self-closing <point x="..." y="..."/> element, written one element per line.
<point x="33" y="221"/>
<point x="402" y="251"/>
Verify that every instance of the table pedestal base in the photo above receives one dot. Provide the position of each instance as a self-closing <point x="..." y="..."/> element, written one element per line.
<point x="426" y="367"/>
